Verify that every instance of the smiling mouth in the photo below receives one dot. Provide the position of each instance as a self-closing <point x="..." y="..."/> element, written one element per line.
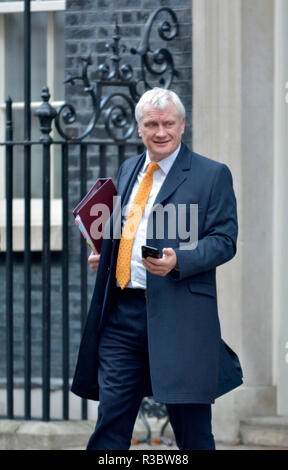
<point x="161" y="143"/>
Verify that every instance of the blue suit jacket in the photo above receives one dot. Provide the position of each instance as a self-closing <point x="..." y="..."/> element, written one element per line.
<point x="189" y="362"/>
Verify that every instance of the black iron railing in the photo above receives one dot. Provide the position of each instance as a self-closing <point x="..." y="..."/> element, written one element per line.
<point x="46" y="146"/>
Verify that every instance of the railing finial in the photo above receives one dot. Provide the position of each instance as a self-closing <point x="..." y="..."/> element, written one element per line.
<point x="46" y="113"/>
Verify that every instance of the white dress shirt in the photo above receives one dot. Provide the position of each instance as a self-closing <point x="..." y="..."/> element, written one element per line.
<point x="138" y="271"/>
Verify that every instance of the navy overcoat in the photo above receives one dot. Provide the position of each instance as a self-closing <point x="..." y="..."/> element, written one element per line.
<point x="189" y="362"/>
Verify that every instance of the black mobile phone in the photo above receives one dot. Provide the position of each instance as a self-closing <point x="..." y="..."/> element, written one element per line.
<point x="150" y="251"/>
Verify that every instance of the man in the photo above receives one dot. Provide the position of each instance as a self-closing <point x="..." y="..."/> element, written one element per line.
<point x="153" y="325"/>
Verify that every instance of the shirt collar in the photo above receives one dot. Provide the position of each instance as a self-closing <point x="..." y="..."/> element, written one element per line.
<point x="164" y="164"/>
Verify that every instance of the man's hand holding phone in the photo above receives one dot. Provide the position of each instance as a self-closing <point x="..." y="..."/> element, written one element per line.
<point x="156" y="265"/>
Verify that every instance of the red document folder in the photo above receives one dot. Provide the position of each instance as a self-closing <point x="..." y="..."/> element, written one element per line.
<point x="91" y="208"/>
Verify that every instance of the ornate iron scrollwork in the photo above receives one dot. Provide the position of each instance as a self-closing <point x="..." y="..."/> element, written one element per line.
<point x="117" y="108"/>
<point x="159" y="61"/>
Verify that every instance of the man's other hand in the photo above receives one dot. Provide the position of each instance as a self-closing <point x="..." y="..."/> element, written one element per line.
<point x="93" y="260"/>
<point x="161" y="266"/>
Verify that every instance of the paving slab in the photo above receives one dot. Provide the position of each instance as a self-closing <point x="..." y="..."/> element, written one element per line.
<point x="271" y="431"/>
<point x="40" y="435"/>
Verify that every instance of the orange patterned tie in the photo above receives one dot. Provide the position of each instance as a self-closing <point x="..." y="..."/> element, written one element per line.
<point x="123" y="267"/>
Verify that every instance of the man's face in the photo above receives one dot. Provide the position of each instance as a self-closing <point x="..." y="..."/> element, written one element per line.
<point x="161" y="131"/>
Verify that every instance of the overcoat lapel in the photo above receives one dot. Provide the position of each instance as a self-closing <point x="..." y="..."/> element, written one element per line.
<point x="176" y="175"/>
<point x="128" y="178"/>
<point x="124" y="189"/>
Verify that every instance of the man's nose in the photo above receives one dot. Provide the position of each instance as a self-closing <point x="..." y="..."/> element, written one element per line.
<point x="161" y="131"/>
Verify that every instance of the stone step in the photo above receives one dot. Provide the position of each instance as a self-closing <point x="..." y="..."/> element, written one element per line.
<point x="56" y="435"/>
<point x="269" y="431"/>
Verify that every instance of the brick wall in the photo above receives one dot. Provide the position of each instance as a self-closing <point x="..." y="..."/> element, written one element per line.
<point x="90" y="26"/>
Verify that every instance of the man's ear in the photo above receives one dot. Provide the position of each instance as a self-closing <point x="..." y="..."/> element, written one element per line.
<point x="139" y="131"/>
<point x="183" y="125"/>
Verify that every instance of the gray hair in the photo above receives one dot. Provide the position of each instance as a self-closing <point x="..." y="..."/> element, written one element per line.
<point x="160" y="98"/>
